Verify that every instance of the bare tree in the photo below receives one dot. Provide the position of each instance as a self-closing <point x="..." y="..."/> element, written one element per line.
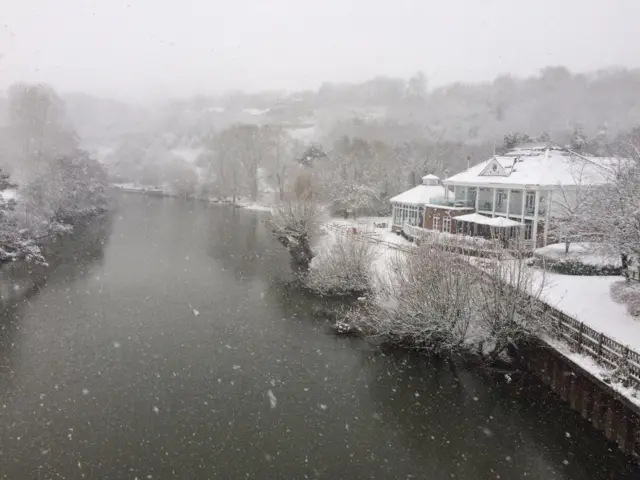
<point x="570" y="208"/>
<point x="506" y="302"/>
<point x="614" y="208"/>
<point x="430" y="292"/>
<point x="295" y="221"/>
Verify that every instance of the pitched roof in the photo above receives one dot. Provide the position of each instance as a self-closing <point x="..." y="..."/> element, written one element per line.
<point x="536" y="165"/>
<point x="420" y="195"/>
<point x="431" y="176"/>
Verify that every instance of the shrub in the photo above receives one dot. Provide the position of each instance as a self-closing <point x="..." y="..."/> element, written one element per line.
<point x="345" y="269"/>
<point x="576" y="267"/>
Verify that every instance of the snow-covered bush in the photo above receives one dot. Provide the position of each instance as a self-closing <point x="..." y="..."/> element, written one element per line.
<point x="344" y="269"/>
<point x="431" y="297"/>
<point x="449" y="303"/>
<point x="583" y="259"/>
<point x="627" y="293"/>
<point x="575" y="267"/>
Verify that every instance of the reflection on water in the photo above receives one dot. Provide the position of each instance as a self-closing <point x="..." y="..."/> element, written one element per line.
<point x="168" y="345"/>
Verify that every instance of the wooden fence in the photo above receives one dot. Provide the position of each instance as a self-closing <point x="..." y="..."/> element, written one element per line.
<point x="580" y="338"/>
<point x="584" y="340"/>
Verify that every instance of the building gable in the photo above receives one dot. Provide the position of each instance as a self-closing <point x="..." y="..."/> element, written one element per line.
<point x="494" y="169"/>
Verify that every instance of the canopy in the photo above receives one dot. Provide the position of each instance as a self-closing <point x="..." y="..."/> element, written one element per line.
<point x="500" y="222"/>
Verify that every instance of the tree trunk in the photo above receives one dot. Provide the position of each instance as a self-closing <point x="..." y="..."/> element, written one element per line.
<point x="566" y="246"/>
<point x="280" y="186"/>
<point x="624" y="258"/>
<point x="300" y="251"/>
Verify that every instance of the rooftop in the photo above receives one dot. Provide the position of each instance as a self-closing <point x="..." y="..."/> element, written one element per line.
<point x="420" y="195"/>
<point x="536" y="165"/>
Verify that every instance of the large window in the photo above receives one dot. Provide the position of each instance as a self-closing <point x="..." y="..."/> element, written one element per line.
<point x="528" y="231"/>
<point x="436" y="222"/>
<point x="446" y="224"/>
<point x="530" y="201"/>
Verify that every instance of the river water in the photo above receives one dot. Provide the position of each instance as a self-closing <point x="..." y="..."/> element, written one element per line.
<point x="163" y="342"/>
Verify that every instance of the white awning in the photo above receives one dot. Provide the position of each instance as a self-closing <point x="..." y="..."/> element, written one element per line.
<point x="500" y="222"/>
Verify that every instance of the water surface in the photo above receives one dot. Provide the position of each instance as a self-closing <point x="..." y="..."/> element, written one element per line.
<point x="164" y="343"/>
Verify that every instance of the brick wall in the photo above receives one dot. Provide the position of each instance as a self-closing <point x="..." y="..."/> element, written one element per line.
<point x="442" y="213"/>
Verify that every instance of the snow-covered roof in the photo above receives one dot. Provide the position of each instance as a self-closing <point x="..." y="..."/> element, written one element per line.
<point x="484" y="220"/>
<point x="431" y="176"/>
<point x="536" y="165"/>
<point x="9" y="194"/>
<point x="420" y="195"/>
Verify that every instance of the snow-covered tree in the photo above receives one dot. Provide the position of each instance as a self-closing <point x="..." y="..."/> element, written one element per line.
<point x="295" y="220"/>
<point x="15" y="242"/>
<point x="614" y="208"/>
<point x="513" y="139"/>
<point x="571" y="211"/>
<point x="506" y="303"/>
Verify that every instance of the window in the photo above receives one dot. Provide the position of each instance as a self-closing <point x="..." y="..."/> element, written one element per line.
<point x="501" y="195"/>
<point x="530" y="201"/>
<point x="528" y="231"/>
<point x="436" y="222"/>
<point x="446" y="224"/>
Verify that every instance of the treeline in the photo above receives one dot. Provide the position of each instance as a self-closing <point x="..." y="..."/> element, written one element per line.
<point x="47" y="183"/>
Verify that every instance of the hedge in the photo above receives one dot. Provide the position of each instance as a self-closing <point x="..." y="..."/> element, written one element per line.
<point x="575" y="267"/>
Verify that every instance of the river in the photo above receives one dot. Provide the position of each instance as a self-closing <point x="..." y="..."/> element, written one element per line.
<point x="163" y="342"/>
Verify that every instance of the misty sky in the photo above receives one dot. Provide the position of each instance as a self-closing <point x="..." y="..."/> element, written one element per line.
<point x="148" y="48"/>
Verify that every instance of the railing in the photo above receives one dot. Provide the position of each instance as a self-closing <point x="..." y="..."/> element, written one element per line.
<point x="584" y="340"/>
<point x="449" y="202"/>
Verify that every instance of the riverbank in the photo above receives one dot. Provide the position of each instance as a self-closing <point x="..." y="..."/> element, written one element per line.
<point x="165" y="191"/>
<point x="586" y="299"/>
<point x="21" y="278"/>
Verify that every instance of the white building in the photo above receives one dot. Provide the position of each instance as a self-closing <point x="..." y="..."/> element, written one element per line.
<point x="528" y="185"/>
<point x="408" y="207"/>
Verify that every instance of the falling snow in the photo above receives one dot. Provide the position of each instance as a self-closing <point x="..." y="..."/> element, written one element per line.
<point x="273" y="401"/>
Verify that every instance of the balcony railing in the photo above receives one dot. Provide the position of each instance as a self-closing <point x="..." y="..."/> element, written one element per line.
<point x="448" y="202"/>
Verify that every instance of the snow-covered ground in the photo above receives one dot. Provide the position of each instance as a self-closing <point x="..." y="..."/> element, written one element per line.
<point x="136" y="187"/>
<point x="254" y="206"/>
<point x="304" y="134"/>
<point x="366" y="225"/>
<point x="9" y="194"/>
<point x="579" y="252"/>
<point x="384" y="252"/>
<point x="189" y="155"/>
<point x="588" y="300"/>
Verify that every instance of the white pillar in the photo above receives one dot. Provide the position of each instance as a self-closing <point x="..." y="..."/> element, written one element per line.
<point x="536" y="208"/>
<point x="466" y="195"/>
<point x="508" y="200"/>
<point x="493" y="206"/>
<point x="523" y="228"/>
<point x="477" y="197"/>
<point x="547" y="216"/>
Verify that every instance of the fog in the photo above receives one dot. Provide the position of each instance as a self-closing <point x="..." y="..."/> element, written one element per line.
<point x="149" y="49"/>
<point x="194" y="194"/>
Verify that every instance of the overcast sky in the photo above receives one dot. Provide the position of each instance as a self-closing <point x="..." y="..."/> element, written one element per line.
<point x="181" y="47"/>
